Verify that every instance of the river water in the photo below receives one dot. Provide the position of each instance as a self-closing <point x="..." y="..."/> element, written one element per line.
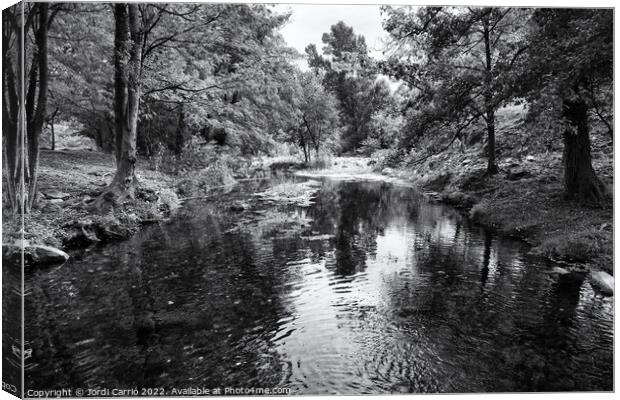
<point x="371" y="289"/>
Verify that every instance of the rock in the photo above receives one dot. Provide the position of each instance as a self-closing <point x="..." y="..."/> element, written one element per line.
<point x="603" y="282"/>
<point x="239" y="206"/>
<point x="387" y="171"/>
<point x="530" y="158"/>
<point x="45" y="255"/>
<point x="559" y="271"/>
<point x="55" y="194"/>
<point x="35" y="254"/>
<point x="56" y="201"/>
<point x="459" y="199"/>
<point x="516" y="174"/>
<point x="50" y="207"/>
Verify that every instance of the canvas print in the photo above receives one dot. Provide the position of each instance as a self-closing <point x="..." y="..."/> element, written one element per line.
<point x="203" y="199"/>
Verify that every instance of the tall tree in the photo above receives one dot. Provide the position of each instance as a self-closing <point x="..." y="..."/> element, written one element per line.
<point x="348" y="72"/>
<point x="36" y="21"/>
<point x="570" y="50"/>
<point x="458" y="58"/>
<point x="128" y="42"/>
<point x="319" y="115"/>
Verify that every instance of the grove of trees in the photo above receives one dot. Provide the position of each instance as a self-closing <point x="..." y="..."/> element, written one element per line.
<point x="464" y="63"/>
<point x="142" y="79"/>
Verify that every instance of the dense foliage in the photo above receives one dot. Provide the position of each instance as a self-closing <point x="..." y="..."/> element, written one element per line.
<point x="171" y="81"/>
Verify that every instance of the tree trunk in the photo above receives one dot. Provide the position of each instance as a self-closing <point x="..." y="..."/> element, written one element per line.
<point x="11" y="100"/>
<point x="22" y="148"/>
<point x="302" y="143"/>
<point x="491" y="163"/>
<point x="488" y="99"/>
<point x="121" y="39"/>
<point x="53" y="136"/>
<point x="35" y="126"/>
<point x="180" y="134"/>
<point x="127" y="101"/>
<point x="580" y="180"/>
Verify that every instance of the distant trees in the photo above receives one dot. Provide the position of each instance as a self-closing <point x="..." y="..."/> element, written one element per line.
<point x="458" y="59"/>
<point x="348" y="72"/>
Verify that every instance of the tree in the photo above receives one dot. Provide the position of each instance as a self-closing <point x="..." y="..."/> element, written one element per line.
<point x="458" y="58"/>
<point x="319" y="115"/>
<point x="36" y="21"/>
<point x="128" y="42"/>
<point x="348" y="72"/>
<point x="570" y="51"/>
<point x="81" y="46"/>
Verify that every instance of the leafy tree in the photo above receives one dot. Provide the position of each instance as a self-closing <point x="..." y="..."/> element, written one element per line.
<point x="348" y="72"/>
<point x="319" y="114"/>
<point x="81" y="67"/>
<point x="129" y="22"/>
<point x="459" y="60"/>
<point x="206" y="69"/>
<point x="570" y="52"/>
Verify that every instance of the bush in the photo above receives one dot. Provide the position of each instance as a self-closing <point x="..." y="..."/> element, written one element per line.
<point x="369" y="146"/>
<point x="389" y="158"/>
<point x="579" y="247"/>
<point x="167" y="201"/>
<point x="479" y="211"/>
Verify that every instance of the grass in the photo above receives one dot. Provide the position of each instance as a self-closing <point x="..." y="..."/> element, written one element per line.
<point x="295" y="193"/>
<point x="81" y="175"/>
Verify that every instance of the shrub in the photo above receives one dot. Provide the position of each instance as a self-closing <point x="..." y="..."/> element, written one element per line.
<point x="167" y="201"/>
<point x="389" y="158"/>
<point x="479" y="211"/>
<point x="369" y="146"/>
<point x="579" y="247"/>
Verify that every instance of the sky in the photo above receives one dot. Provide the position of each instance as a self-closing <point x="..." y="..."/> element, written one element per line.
<point x="310" y="21"/>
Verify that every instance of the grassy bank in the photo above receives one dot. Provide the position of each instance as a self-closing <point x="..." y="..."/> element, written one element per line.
<point x="64" y="216"/>
<point x="525" y="200"/>
<point x="70" y="179"/>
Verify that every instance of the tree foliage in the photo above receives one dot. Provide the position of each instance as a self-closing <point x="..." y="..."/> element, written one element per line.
<point x="570" y="59"/>
<point x="459" y="60"/>
<point x="349" y="73"/>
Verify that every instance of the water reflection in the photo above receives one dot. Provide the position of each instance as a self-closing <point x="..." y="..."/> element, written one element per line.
<point x="370" y="290"/>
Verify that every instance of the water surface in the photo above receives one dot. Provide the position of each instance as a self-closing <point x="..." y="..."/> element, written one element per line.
<point x="372" y="289"/>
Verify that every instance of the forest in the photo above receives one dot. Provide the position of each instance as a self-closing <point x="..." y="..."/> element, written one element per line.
<point x="192" y="199"/>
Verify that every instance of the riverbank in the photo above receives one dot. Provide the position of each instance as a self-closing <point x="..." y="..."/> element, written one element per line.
<point x="64" y="217"/>
<point x="69" y="180"/>
<point x="526" y="198"/>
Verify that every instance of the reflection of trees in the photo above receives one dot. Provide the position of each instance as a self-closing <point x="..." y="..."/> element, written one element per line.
<point x="166" y="306"/>
<point x="484" y="272"/>
<point x="359" y="212"/>
<point x="514" y="334"/>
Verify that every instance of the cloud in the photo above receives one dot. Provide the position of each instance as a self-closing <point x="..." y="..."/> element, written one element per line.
<point x="310" y="21"/>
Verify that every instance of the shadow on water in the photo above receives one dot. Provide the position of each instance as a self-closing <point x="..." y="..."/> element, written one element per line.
<point x="370" y="290"/>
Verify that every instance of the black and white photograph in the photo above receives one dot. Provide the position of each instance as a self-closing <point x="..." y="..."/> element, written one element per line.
<point x="247" y="199"/>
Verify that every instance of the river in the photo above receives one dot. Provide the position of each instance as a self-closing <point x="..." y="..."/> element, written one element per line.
<point x="371" y="289"/>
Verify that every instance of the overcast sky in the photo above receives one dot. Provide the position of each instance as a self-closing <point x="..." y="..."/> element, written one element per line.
<point x="310" y="21"/>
